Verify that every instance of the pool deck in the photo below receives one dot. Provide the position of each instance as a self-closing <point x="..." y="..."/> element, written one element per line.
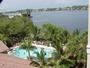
<point x="43" y="46"/>
<point x="7" y="61"/>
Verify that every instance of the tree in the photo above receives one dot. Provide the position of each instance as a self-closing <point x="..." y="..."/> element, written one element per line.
<point x="3" y="37"/>
<point x="76" y="32"/>
<point x="16" y="28"/>
<point x="77" y="49"/>
<point x="26" y="44"/>
<point x="41" y="58"/>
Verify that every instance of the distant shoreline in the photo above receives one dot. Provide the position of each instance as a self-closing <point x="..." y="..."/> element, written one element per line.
<point x="61" y="11"/>
<point x="67" y="8"/>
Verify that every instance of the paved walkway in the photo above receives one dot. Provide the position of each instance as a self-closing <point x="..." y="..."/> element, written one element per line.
<point x="7" y="61"/>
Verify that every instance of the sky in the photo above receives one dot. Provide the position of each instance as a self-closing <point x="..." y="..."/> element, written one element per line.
<point x="11" y="5"/>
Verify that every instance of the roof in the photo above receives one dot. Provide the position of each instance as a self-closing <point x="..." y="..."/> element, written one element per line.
<point x="7" y="61"/>
<point x="3" y="47"/>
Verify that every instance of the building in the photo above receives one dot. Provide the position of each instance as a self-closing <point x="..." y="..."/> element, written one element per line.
<point x="3" y="47"/>
<point x="12" y="14"/>
<point x="7" y="61"/>
<point x="88" y="45"/>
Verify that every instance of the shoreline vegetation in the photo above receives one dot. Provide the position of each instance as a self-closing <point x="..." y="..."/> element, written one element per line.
<point x="20" y="29"/>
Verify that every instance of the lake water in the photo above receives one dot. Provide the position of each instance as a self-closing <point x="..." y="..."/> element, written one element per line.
<point x="70" y="20"/>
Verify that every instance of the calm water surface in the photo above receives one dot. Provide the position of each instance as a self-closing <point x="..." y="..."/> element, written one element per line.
<point x="70" y="20"/>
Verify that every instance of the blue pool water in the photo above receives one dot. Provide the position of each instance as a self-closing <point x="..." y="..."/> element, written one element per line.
<point x="22" y="53"/>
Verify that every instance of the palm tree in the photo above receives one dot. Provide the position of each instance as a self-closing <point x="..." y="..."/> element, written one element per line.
<point x="62" y="62"/>
<point x="57" y="41"/>
<point x="41" y="60"/>
<point x="27" y="45"/>
<point x="77" y="49"/>
<point x="61" y="59"/>
<point x="48" y="31"/>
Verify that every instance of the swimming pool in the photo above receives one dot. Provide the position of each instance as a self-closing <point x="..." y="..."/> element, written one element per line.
<point x="22" y="53"/>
